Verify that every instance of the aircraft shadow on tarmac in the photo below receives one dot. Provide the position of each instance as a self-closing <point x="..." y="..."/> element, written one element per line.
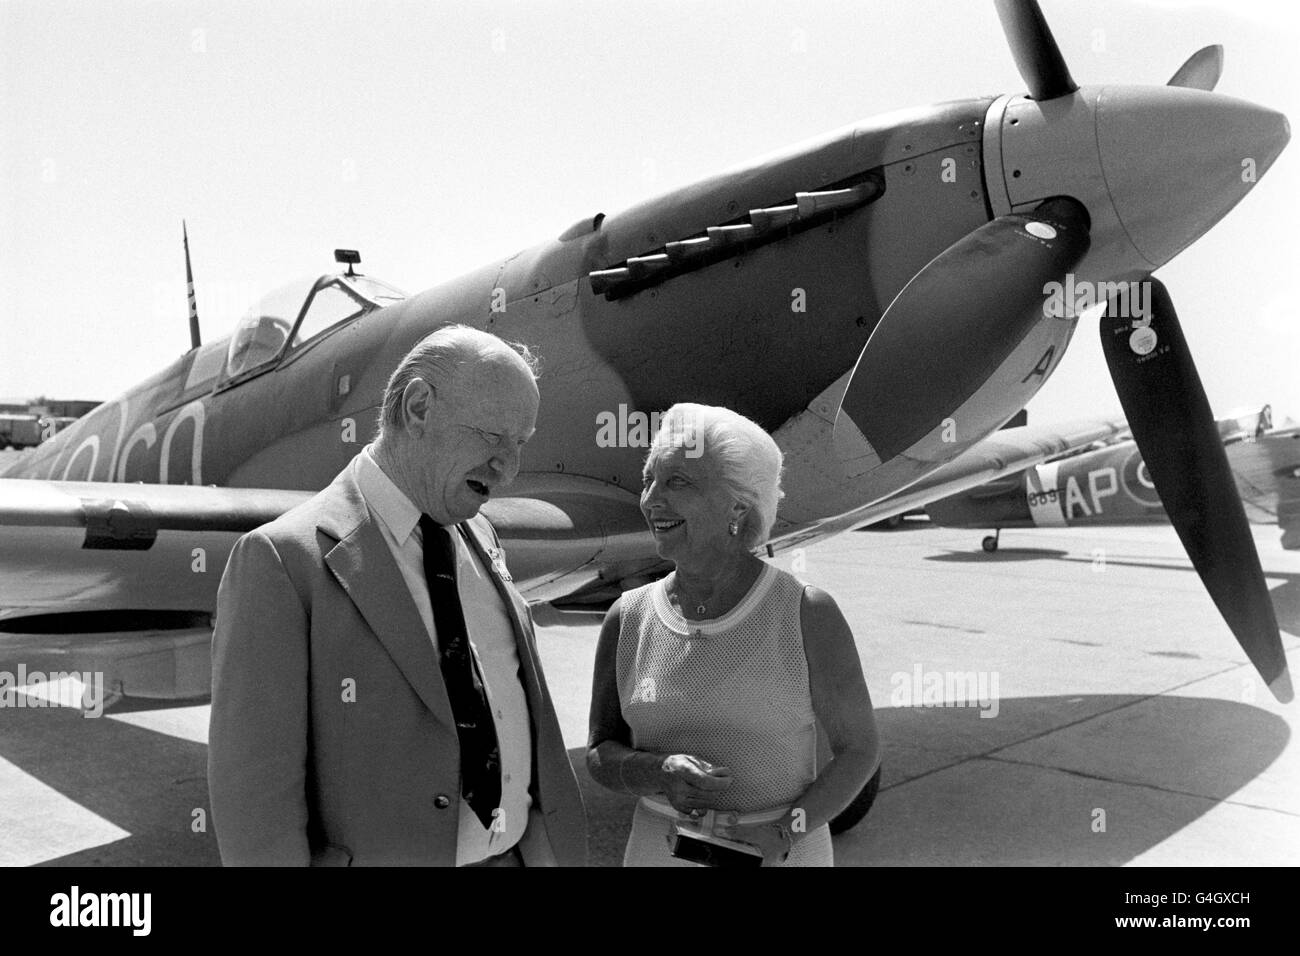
<point x="951" y="796"/>
<point x="903" y="526"/>
<point x="955" y="790"/>
<point x="1286" y="603"/>
<point x="1003" y="555"/>
<point x="1286" y="596"/>
<point x="147" y="783"/>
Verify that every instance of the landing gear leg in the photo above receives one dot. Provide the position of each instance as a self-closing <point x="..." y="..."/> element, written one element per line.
<point x="990" y="542"/>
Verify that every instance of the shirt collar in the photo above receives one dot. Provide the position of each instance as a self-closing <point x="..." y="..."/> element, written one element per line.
<point x="385" y="499"/>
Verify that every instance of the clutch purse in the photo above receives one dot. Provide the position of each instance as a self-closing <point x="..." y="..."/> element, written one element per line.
<point x="712" y="850"/>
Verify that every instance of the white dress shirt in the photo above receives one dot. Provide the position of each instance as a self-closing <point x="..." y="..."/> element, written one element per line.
<point x="492" y="640"/>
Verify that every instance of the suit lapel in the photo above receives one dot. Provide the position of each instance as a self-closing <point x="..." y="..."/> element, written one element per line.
<point x="364" y="566"/>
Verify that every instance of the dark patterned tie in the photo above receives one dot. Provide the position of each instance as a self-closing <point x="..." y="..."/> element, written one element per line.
<point x="480" y="757"/>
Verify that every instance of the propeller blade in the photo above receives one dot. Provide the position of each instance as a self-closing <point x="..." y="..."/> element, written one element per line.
<point x="1201" y="71"/>
<point x="1171" y="421"/>
<point x="953" y="325"/>
<point x="1037" y="56"/>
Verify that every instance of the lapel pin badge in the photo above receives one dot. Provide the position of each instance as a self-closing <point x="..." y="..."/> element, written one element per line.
<point x="499" y="563"/>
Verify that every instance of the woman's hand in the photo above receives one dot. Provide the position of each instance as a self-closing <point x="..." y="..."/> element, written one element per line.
<point x="690" y="783"/>
<point x="768" y="837"/>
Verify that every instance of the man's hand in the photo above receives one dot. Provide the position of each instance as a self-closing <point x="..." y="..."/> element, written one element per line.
<point x="690" y="783"/>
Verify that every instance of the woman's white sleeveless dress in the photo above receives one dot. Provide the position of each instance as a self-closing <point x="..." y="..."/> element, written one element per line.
<point x="733" y="691"/>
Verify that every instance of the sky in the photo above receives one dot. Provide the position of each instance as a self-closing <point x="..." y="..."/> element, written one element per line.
<point x="437" y="136"/>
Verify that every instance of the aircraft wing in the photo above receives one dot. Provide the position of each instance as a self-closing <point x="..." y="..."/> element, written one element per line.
<point x="119" y="579"/>
<point x="122" y="578"/>
<point x="1267" y="470"/>
<point x="563" y="533"/>
<point x="74" y="546"/>
<point x="1006" y="452"/>
<point x="79" y="546"/>
<point x="1290" y="525"/>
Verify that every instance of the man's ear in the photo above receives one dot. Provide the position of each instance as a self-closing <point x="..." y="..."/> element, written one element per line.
<point x="417" y="404"/>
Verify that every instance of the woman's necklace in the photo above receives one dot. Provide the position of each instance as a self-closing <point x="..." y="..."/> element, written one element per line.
<point x="701" y="609"/>
<point x="702" y="606"/>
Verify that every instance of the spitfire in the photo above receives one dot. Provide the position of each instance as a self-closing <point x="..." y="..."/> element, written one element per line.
<point x="1111" y="485"/>
<point x="922" y="281"/>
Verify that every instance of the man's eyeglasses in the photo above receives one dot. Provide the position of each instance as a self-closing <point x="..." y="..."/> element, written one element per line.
<point x="491" y="439"/>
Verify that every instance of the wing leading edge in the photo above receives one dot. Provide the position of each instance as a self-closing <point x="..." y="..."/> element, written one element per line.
<point x="121" y="579"/>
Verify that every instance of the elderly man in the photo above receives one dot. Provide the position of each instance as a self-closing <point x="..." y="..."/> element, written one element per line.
<point x="377" y="696"/>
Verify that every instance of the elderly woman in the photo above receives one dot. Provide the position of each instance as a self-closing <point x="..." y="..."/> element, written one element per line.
<point x="709" y="683"/>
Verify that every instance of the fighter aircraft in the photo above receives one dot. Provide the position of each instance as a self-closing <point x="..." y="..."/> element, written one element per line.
<point x="881" y="299"/>
<point x="1111" y="485"/>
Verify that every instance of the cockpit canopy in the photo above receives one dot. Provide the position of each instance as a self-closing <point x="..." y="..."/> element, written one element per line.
<point x="300" y="313"/>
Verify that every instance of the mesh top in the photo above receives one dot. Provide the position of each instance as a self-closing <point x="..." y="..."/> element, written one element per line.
<point x="732" y="691"/>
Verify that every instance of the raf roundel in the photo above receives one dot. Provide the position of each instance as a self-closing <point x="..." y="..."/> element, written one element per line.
<point x="1136" y="481"/>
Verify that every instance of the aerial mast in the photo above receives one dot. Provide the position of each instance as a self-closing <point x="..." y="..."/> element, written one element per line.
<point x="189" y="290"/>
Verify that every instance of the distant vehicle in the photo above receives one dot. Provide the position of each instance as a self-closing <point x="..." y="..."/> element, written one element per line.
<point x="29" y="430"/>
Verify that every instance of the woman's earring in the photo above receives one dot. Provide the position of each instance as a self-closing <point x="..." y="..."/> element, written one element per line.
<point x="733" y="529"/>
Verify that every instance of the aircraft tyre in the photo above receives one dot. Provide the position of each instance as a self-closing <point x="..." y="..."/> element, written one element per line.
<point x="989" y="544"/>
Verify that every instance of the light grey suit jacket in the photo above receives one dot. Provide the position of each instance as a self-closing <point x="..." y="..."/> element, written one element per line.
<point x="312" y="611"/>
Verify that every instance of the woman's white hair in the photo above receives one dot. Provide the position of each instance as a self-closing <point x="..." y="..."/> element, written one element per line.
<point x="747" y="457"/>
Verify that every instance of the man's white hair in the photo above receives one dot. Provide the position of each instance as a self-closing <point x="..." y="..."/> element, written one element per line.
<point x="747" y="458"/>
<point x="435" y="359"/>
